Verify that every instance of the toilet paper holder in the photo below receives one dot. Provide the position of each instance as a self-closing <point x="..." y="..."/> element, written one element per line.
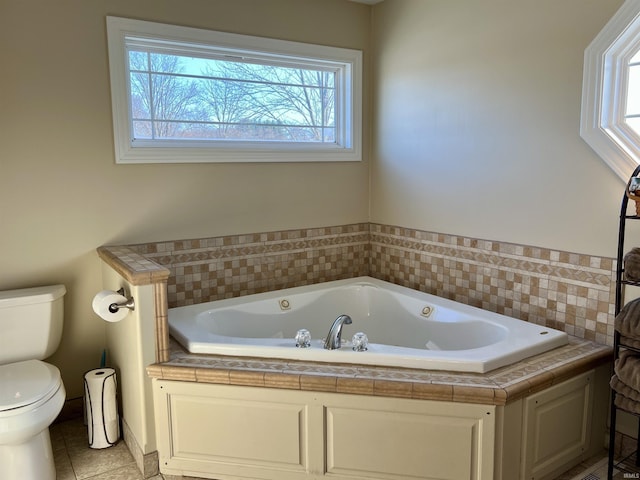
<point x="130" y="304"/>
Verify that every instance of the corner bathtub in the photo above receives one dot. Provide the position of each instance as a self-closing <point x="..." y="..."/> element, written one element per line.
<point x="405" y="327"/>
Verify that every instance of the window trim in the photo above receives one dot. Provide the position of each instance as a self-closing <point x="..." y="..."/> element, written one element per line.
<point x="163" y="151"/>
<point x="604" y="84"/>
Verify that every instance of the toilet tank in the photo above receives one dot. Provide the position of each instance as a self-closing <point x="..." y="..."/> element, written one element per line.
<point x="30" y="322"/>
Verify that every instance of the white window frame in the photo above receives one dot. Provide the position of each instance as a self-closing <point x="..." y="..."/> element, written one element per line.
<point x="604" y="91"/>
<point x="121" y="31"/>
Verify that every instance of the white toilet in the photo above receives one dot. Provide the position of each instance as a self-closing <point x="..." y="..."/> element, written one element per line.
<point x="31" y="391"/>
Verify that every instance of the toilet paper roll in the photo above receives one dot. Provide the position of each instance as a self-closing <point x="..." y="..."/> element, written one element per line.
<point x="101" y="407"/>
<point x="106" y="298"/>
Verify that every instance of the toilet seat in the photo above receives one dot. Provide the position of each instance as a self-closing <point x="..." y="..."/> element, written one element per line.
<point x="26" y="385"/>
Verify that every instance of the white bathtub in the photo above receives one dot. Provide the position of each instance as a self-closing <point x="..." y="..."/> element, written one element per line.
<point x="406" y="328"/>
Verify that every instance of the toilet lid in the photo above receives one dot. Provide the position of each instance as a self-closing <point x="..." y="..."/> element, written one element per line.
<point x="24" y="383"/>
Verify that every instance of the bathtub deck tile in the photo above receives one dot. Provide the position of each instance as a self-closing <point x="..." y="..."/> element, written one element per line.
<point x="573" y="352"/>
<point x="228" y="363"/>
<point x="155" y="371"/>
<point x="544" y="361"/>
<point x="467" y="394"/>
<point x="463" y="380"/>
<point x="500" y="396"/>
<point x="246" y="378"/>
<point x="162" y="355"/>
<point x="358" y="386"/>
<point x="212" y="375"/>
<point x="390" y="388"/>
<point x="568" y="369"/>
<point x="497" y="387"/>
<point x="541" y="381"/>
<point x="514" y="374"/>
<point x="260" y="364"/>
<point x="186" y="374"/>
<point x="321" y="369"/>
<point x="516" y="390"/>
<point x="432" y="391"/>
<point x="281" y="380"/>
<point x="397" y="374"/>
<point x="380" y="373"/>
<point x="318" y="383"/>
<point x="370" y="372"/>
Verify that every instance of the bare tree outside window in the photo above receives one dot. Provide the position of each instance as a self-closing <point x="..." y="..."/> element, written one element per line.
<point x="299" y="100"/>
<point x="159" y="96"/>
<point x="195" y="98"/>
<point x="225" y="102"/>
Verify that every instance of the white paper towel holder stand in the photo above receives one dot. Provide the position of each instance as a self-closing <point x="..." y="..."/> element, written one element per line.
<point x="130" y="304"/>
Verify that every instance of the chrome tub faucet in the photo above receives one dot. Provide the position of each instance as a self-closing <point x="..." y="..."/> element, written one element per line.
<point x="334" y="337"/>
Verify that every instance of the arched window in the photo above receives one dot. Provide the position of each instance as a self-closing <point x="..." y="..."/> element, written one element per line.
<point x="610" y="121"/>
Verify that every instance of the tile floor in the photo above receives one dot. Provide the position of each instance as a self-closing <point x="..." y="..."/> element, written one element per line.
<point x="594" y="468"/>
<point x="76" y="461"/>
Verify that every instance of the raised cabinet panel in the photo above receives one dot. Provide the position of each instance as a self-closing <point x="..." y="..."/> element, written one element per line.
<point x="260" y="434"/>
<point x="239" y="431"/>
<point x="508" y="441"/>
<point x="406" y="445"/>
<point x="556" y="426"/>
<point x="229" y="432"/>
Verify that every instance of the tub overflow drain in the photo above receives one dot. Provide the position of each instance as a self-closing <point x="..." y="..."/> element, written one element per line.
<point x="426" y="311"/>
<point x="284" y="304"/>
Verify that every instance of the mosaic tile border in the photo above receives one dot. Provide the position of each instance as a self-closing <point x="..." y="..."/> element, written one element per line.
<point x="497" y="387"/>
<point x="209" y="269"/>
<point x="136" y="268"/>
<point x="567" y="291"/>
<point x="563" y="290"/>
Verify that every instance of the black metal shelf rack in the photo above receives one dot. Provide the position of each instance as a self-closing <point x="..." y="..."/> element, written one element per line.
<point x="627" y="464"/>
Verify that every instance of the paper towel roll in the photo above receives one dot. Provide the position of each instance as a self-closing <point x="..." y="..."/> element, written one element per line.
<point x="103" y="300"/>
<point x="101" y="407"/>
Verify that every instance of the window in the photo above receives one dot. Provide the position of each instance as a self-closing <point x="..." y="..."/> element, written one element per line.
<point x="189" y="95"/>
<point x="632" y="103"/>
<point x="610" y="121"/>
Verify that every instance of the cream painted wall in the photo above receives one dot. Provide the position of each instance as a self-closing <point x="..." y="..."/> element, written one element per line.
<point x="476" y="122"/>
<point x="61" y="194"/>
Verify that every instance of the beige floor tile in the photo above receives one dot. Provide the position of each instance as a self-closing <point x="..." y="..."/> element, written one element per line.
<point x="88" y="462"/>
<point x="57" y="437"/>
<point x="64" y="470"/>
<point x="176" y="477"/>
<point x="130" y="472"/>
<point x="73" y="428"/>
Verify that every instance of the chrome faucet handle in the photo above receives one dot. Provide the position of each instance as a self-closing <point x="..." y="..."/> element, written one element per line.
<point x="360" y="342"/>
<point x="303" y="338"/>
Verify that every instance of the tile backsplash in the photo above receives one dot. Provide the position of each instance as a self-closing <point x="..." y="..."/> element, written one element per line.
<point x="563" y="290"/>
<point x="567" y="291"/>
<point x="213" y="268"/>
